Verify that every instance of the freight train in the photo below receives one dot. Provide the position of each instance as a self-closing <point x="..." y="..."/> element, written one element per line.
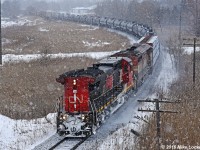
<point x="130" y="27"/>
<point x="91" y="95"/>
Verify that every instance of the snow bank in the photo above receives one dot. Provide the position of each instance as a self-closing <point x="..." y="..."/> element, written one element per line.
<point x="99" y="43"/>
<point x="6" y="22"/>
<point x="6" y="41"/>
<point x="168" y="73"/>
<point x="21" y="134"/>
<point x="190" y="50"/>
<point x="43" y="30"/>
<point x="17" y="58"/>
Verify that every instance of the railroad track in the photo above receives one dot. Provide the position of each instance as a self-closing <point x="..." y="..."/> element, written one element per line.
<point x="69" y="143"/>
<point x="58" y="143"/>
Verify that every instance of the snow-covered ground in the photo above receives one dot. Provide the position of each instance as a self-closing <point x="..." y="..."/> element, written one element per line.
<point x="43" y="30"/>
<point x="190" y="50"/>
<point x="99" y="43"/>
<point x="20" y="21"/>
<point x="21" y="134"/>
<point x="29" y="57"/>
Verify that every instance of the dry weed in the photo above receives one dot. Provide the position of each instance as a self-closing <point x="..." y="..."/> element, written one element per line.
<point x="60" y="37"/>
<point x="29" y="90"/>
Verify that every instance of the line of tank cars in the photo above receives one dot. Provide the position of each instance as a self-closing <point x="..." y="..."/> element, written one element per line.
<point x="138" y="30"/>
<point x="93" y="94"/>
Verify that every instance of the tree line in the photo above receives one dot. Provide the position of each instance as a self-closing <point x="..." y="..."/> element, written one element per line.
<point x="154" y="12"/>
<point x="149" y="12"/>
<point x="13" y="8"/>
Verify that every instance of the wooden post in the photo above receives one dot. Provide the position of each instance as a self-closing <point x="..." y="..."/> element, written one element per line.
<point x="158" y="123"/>
<point x="194" y="61"/>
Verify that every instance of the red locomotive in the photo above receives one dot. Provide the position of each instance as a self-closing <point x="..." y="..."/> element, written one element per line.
<point x="91" y="95"/>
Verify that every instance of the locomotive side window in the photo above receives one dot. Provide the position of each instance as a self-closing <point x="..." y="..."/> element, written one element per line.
<point x="94" y="86"/>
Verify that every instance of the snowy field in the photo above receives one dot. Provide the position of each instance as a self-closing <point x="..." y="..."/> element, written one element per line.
<point x="20" y="134"/>
<point x="20" y="21"/>
<point x="26" y="134"/>
<point x="29" y="57"/>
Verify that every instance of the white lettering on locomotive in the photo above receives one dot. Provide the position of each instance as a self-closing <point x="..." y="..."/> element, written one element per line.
<point x="73" y="99"/>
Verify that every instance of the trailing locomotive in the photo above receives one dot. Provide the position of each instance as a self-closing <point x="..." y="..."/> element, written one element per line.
<point x="91" y="95"/>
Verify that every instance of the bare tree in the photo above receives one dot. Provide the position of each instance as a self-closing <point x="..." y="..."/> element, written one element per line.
<point x="11" y="8"/>
<point x="192" y="14"/>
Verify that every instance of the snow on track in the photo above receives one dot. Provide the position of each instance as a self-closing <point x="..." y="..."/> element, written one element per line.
<point x="67" y="144"/>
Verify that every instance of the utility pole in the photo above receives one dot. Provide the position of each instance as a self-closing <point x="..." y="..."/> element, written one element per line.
<point x="194" y="44"/>
<point x="180" y="20"/>
<point x="157" y="111"/>
<point x="180" y="30"/>
<point x="1" y="46"/>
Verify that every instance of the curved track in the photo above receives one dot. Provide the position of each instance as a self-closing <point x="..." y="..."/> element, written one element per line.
<point x="56" y="142"/>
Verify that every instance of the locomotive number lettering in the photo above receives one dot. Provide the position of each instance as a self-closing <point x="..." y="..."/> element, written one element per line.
<point x="74" y="99"/>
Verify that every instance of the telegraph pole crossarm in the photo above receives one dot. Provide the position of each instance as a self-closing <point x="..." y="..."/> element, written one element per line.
<point x="162" y="111"/>
<point x="160" y="101"/>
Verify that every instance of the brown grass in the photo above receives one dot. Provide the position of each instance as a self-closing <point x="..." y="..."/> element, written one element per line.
<point x="60" y="37"/>
<point x="29" y="90"/>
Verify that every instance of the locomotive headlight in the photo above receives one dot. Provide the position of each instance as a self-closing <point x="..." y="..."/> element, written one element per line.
<point x="74" y="82"/>
<point x="83" y="117"/>
<point x="65" y="116"/>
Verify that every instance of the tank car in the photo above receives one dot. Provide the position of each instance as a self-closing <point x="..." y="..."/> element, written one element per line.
<point x="103" y="21"/>
<point x="110" y="22"/>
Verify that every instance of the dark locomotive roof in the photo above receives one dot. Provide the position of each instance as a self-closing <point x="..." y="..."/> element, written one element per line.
<point x="143" y="48"/>
<point x="90" y="71"/>
<point x="136" y="50"/>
